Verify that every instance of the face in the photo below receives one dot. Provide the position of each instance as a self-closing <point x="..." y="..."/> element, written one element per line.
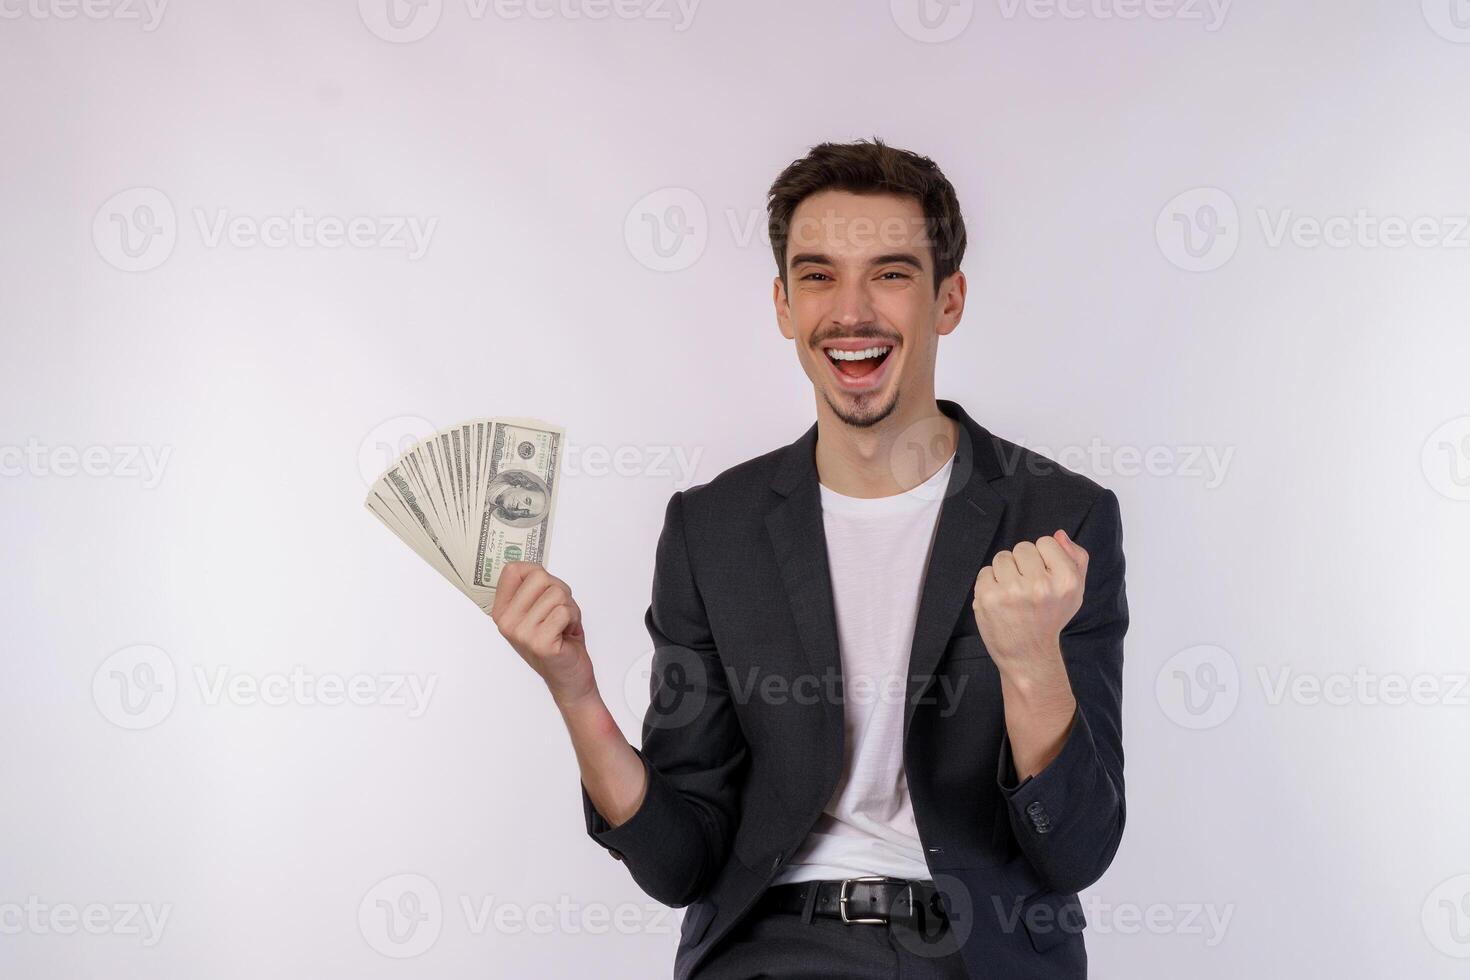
<point x="861" y="305"/>
<point x="522" y="502"/>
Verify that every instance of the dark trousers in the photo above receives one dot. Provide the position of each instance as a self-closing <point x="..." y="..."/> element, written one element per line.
<point x="791" y="946"/>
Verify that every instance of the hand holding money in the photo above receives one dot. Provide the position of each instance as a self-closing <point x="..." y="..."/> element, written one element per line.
<point x="536" y="613"/>
<point x="474" y="498"/>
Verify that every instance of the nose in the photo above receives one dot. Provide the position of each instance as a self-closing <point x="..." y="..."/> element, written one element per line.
<point x="852" y="302"/>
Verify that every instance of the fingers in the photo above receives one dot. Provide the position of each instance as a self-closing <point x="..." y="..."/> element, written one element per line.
<point x="555" y="623"/>
<point x="1056" y="557"/>
<point x="534" y="582"/>
<point x="1028" y="560"/>
<point x="505" y="589"/>
<point x="533" y="592"/>
<point x="1060" y="566"/>
<point x="550" y="598"/>
<point x="561" y="621"/>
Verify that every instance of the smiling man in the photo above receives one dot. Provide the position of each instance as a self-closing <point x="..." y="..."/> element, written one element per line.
<point x="884" y="737"/>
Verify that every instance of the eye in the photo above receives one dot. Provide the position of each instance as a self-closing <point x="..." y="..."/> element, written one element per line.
<point x="895" y="272"/>
<point x="811" y="274"/>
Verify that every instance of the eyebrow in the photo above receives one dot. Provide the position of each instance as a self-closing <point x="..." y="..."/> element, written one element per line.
<point x="817" y="258"/>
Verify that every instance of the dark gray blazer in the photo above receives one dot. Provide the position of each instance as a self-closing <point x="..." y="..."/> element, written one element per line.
<point x="743" y="740"/>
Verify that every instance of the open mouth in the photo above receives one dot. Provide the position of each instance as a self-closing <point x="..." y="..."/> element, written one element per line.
<point x="858" y="367"/>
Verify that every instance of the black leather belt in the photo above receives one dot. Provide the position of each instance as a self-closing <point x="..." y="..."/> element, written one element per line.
<point x="871" y="899"/>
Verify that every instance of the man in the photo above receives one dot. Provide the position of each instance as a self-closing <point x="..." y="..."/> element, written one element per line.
<point x="885" y="730"/>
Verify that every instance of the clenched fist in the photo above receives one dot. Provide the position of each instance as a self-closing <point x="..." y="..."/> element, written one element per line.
<point x="535" y="611"/>
<point x="1024" y="598"/>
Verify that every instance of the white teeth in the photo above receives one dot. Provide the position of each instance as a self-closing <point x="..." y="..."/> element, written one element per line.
<point x="856" y="355"/>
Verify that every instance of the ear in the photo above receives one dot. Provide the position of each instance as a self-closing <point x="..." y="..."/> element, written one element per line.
<point x="951" y="301"/>
<point x="783" y="309"/>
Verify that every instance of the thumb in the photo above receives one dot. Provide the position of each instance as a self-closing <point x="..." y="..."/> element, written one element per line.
<point x="1074" y="550"/>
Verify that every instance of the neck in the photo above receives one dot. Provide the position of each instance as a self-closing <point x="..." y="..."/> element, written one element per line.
<point x="894" y="456"/>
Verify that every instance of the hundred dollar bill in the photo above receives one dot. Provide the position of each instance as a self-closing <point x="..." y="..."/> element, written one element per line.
<point x="519" y="503"/>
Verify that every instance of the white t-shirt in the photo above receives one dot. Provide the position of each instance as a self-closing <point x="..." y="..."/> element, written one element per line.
<point x="878" y="549"/>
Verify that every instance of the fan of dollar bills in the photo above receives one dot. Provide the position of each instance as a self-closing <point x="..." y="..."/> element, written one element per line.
<point x="473" y="497"/>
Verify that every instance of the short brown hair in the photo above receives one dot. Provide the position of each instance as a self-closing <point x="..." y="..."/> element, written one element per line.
<point x="871" y="167"/>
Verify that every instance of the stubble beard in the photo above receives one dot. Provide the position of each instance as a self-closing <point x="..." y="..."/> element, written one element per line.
<point x="863" y="414"/>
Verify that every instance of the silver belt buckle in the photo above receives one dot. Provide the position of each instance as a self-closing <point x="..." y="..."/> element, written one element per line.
<point x="842" y="898"/>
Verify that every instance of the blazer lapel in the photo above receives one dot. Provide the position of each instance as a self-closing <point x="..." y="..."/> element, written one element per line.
<point x="968" y="518"/>
<point x="800" y="543"/>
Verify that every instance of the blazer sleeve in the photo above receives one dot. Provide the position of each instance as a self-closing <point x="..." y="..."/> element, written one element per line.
<point x="1068" y="818"/>
<point x="693" y="750"/>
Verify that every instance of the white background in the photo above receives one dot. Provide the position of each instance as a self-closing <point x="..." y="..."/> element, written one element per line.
<point x="1085" y="142"/>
